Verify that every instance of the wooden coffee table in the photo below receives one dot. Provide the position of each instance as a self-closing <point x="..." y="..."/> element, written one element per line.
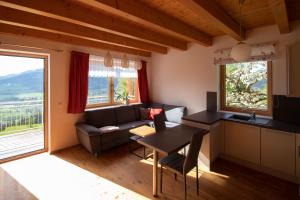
<point x="140" y="132"/>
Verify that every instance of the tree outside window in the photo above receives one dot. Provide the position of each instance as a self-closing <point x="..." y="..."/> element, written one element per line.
<point x="246" y="87"/>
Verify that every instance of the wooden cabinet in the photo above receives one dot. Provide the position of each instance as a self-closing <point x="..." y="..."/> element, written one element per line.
<point x="242" y="141"/>
<point x="294" y="70"/>
<point x="278" y="150"/>
<point x="217" y="140"/>
<point x="297" y="150"/>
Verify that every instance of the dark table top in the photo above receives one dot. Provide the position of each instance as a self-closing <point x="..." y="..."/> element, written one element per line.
<point x="172" y="139"/>
<point x="206" y="117"/>
<point x="209" y="118"/>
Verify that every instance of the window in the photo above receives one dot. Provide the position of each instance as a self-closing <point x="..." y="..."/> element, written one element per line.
<point x="109" y="86"/>
<point x="247" y="87"/>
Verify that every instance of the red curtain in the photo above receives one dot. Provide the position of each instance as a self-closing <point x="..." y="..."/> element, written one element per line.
<point x="143" y="83"/>
<point x="78" y="82"/>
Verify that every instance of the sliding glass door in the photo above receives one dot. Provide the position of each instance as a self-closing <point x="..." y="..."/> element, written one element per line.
<point x="22" y="104"/>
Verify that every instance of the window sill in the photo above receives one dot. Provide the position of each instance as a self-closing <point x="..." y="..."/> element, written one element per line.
<point x="105" y="106"/>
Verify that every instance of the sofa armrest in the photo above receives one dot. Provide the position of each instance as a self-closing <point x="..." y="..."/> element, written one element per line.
<point x="88" y="129"/>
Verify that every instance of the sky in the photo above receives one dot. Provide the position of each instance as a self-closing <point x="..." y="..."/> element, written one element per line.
<point x="15" y="65"/>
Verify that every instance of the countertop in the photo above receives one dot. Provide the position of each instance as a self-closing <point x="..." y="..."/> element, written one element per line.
<point x="209" y="118"/>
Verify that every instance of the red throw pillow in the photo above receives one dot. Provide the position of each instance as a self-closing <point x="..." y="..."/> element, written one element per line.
<point x="155" y="111"/>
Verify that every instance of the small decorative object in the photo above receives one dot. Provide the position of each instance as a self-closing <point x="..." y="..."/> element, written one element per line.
<point x="138" y="65"/>
<point x="108" y="60"/>
<point x="241" y="51"/>
<point x="125" y="61"/>
<point x="122" y="96"/>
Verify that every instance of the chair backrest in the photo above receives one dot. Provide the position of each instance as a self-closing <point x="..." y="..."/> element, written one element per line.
<point x="192" y="155"/>
<point x="159" y="122"/>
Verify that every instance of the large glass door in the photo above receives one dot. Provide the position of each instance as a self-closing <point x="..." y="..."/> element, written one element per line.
<point x="22" y="104"/>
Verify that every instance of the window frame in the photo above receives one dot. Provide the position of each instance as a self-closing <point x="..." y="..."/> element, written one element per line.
<point x="112" y="101"/>
<point x="223" y="106"/>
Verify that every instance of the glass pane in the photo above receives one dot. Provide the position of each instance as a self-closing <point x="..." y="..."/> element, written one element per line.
<point x="124" y="86"/>
<point x="21" y="105"/>
<point x="247" y="85"/>
<point x="98" y="90"/>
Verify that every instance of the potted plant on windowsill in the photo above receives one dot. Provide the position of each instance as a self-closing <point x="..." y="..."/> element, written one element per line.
<point x="122" y="96"/>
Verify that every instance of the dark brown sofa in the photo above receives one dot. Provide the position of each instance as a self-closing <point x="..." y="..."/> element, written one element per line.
<point x="106" y="128"/>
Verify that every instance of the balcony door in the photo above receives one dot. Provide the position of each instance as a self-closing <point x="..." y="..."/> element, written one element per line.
<point x="23" y="103"/>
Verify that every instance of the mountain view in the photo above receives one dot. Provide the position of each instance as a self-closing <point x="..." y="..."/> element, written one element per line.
<point x="23" y="86"/>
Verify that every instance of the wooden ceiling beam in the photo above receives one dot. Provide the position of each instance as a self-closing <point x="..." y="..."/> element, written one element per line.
<point x="74" y="13"/>
<point x="33" y="20"/>
<point x="143" y="14"/>
<point x="216" y="16"/>
<point x="57" y="37"/>
<point x="280" y="15"/>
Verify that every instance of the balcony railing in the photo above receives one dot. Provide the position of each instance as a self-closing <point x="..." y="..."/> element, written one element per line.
<point x="20" y="116"/>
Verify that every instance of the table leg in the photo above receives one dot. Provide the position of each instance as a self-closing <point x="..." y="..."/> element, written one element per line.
<point x="154" y="173"/>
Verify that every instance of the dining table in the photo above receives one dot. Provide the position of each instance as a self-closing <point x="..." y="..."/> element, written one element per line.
<point x="168" y="141"/>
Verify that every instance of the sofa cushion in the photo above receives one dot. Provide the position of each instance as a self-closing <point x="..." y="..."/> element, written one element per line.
<point x="133" y="124"/>
<point x="155" y="111"/>
<point x="108" y="129"/>
<point x="171" y="124"/>
<point x="145" y="113"/>
<point x="101" y="117"/>
<point x="137" y="111"/>
<point x="156" y="105"/>
<point x="125" y="114"/>
<point x="174" y="114"/>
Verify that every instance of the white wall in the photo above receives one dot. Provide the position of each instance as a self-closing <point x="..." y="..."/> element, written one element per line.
<point x="183" y="77"/>
<point x="62" y="130"/>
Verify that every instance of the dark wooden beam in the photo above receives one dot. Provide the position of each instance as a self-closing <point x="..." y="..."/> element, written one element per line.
<point x="216" y="16"/>
<point x="141" y="13"/>
<point x="280" y="15"/>
<point x="74" y="13"/>
<point x="33" y="20"/>
<point x="57" y="37"/>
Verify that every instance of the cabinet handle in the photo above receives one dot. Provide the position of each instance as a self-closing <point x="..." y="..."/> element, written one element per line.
<point x="298" y="151"/>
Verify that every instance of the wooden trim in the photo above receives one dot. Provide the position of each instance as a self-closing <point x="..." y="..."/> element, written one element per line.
<point x="89" y="17"/>
<point x="24" y="19"/>
<point x="112" y="101"/>
<point x="32" y="153"/>
<point x="57" y="37"/>
<point x="280" y="14"/>
<point x="143" y="14"/>
<point x="46" y="105"/>
<point x="234" y="109"/>
<point x="216" y="16"/>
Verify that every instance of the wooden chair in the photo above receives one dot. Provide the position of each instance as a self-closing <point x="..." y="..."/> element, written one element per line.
<point x="180" y="164"/>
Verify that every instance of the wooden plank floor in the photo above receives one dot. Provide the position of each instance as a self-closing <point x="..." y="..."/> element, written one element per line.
<point x="75" y="174"/>
<point x="20" y="143"/>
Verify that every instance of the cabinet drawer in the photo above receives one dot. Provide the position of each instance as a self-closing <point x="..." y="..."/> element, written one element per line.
<point x="278" y="150"/>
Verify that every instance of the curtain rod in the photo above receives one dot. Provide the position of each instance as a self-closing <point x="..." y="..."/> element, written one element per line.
<point x="16" y="45"/>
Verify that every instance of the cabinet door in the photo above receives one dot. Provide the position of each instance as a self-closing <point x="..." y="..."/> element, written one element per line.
<point x="217" y="140"/>
<point x="278" y="150"/>
<point x="298" y="155"/>
<point x="242" y="141"/>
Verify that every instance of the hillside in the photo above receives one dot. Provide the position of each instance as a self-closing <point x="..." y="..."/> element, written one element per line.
<point x="24" y="86"/>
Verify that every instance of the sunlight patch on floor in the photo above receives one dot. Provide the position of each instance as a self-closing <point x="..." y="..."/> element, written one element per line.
<point x="49" y="177"/>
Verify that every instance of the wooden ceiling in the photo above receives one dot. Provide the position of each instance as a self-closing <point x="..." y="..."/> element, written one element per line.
<point x="142" y="26"/>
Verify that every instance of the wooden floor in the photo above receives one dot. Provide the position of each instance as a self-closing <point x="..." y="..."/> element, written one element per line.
<point x="20" y="143"/>
<point x="75" y="174"/>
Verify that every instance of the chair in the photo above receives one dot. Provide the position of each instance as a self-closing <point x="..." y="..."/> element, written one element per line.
<point x="180" y="164"/>
<point x="159" y="122"/>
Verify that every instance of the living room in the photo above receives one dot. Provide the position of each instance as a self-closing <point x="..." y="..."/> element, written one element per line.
<point x="174" y="62"/>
